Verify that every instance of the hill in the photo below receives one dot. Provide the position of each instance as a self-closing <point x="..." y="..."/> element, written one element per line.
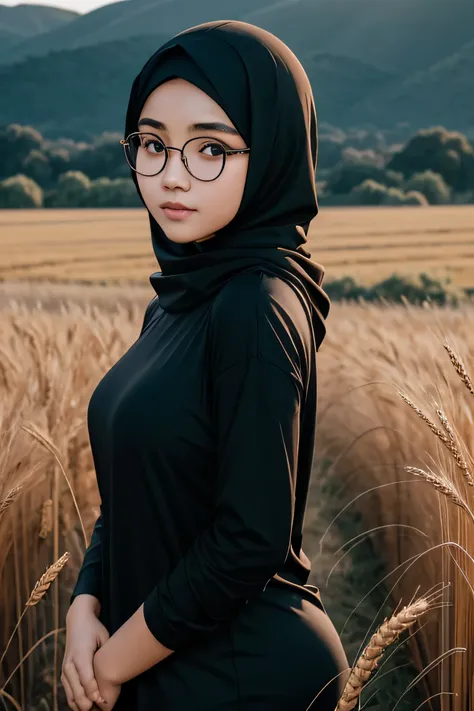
<point x="20" y="23"/>
<point x="124" y="20"/>
<point x="82" y="92"/>
<point x="398" y="36"/>
<point x="78" y="93"/>
<point x="394" y="35"/>
<point x="340" y="83"/>
<point x="442" y="94"/>
<point x="406" y="63"/>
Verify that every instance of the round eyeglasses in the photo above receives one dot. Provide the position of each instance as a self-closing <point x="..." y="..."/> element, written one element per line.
<point x="203" y="157"/>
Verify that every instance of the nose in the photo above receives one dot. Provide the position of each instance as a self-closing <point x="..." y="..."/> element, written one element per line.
<point x="174" y="174"/>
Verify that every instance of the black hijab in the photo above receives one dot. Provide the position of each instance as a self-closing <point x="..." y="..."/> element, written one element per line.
<point x="262" y="87"/>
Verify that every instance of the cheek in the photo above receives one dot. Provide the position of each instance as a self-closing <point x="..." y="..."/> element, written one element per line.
<point x="148" y="190"/>
<point x="218" y="202"/>
<point x="224" y="196"/>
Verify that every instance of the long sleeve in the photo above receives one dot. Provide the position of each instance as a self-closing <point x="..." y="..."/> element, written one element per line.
<point x="89" y="579"/>
<point x="257" y="391"/>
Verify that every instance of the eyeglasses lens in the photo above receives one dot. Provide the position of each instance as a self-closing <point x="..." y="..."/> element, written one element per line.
<point x="204" y="157"/>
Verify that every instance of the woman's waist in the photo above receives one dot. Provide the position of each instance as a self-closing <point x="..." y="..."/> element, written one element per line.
<point x="307" y="590"/>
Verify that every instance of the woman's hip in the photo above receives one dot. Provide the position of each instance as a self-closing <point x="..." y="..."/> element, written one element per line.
<point x="279" y="653"/>
<point x="284" y="644"/>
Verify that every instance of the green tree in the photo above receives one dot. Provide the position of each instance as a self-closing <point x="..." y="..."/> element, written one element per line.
<point x="104" y="157"/>
<point x="20" y="191"/>
<point x="347" y="176"/>
<point x="449" y="153"/>
<point x="414" y="197"/>
<point x="59" y="160"/>
<point x="16" y="143"/>
<point x="120" y="192"/>
<point x="37" y="166"/>
<point x="393" y="196"/>
<point x="72" y="190"/>
<point x="432" y="185"/>
<point x="396" y="196"/>
<point x="370" y="192"/>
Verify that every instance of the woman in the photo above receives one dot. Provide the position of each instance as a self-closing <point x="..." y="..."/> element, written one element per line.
<point x="194" y="584"/>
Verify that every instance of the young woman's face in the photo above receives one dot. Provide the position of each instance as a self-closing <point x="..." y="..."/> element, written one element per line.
<point x="177" y="105"/>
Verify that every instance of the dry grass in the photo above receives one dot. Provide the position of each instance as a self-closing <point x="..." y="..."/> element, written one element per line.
<point x="381" y="373"/>
<point x="369" y="243"/>
<point x="376" y="361"/>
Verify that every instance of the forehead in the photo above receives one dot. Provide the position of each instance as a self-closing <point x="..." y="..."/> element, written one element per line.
<point x="180" y="98"/>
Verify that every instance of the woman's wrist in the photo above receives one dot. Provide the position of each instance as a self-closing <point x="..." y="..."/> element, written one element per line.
<point x="86" y="602"/>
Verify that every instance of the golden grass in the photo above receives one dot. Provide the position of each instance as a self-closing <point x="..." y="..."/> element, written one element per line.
<point x="373" y="356"/>
<point x="368" y="243"/>
<point x="380" y="372"/>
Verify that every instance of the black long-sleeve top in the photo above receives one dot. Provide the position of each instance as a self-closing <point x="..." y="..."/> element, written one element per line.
<point x="202" y="436"/>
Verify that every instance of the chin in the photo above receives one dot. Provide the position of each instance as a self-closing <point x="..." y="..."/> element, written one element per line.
<point x="181" y="239"/>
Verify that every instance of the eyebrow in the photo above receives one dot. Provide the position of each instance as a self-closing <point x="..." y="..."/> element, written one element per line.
<point x="212" y="126"/>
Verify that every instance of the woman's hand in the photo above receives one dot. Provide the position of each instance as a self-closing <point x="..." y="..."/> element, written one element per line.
<point x="109" y="689"/>
<point x="84" y="635"/>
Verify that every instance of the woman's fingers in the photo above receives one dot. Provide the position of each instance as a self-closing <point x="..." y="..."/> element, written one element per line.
<point x="89" y="682"/>
<point x="69" y="695"/>
<point x="78" y="691"/>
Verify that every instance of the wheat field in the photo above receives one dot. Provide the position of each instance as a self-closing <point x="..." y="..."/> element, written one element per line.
<point x="390" y="519"/>
<point x="368" y="243"/>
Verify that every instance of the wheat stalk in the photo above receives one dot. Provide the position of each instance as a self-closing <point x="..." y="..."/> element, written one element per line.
<point x="448" y="441"/>
<point x="41" y="587"/>
<point x="386" y="634"/>
<point x="50" y="446"/>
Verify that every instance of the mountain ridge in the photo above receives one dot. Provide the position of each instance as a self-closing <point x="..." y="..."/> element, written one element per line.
<point x="23" y="21"/>
<point x="350" y="89"/>
<point x="396" y="35"/>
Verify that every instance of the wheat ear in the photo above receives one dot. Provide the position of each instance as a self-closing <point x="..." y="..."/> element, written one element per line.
<point x="445" y="439"/>
<point x="386" y="634"/>
<point x="9" y="499"/>
<point x="39" y="591"/>
<point x="443" y="485"/>
<point x="460" y="369"/>
<point x="46" y="518"/>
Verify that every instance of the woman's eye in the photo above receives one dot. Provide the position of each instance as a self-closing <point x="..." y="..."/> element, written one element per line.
<point x="157" y="146"/>
<point x="214" y="149"/>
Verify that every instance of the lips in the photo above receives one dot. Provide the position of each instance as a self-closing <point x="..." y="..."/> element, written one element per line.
<point x="176" y="211"/>
<point x="175" y="206"/>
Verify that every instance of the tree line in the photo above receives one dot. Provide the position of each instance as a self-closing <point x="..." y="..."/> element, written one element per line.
<point x="434" y="166"/>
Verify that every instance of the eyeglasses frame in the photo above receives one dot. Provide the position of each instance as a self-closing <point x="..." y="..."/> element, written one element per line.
<point x="227" y="151"/>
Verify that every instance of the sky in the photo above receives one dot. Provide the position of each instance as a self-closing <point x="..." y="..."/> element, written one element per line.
<point x="81" y="6"/>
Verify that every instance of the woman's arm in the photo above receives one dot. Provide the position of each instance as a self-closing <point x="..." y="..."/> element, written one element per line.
<point x="89" y="580"/>
<point x="130" y="651"/>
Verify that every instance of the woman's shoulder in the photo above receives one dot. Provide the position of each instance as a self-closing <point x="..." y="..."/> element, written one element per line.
<point x="254" y="290"/>
<point x="258" y="314"/>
